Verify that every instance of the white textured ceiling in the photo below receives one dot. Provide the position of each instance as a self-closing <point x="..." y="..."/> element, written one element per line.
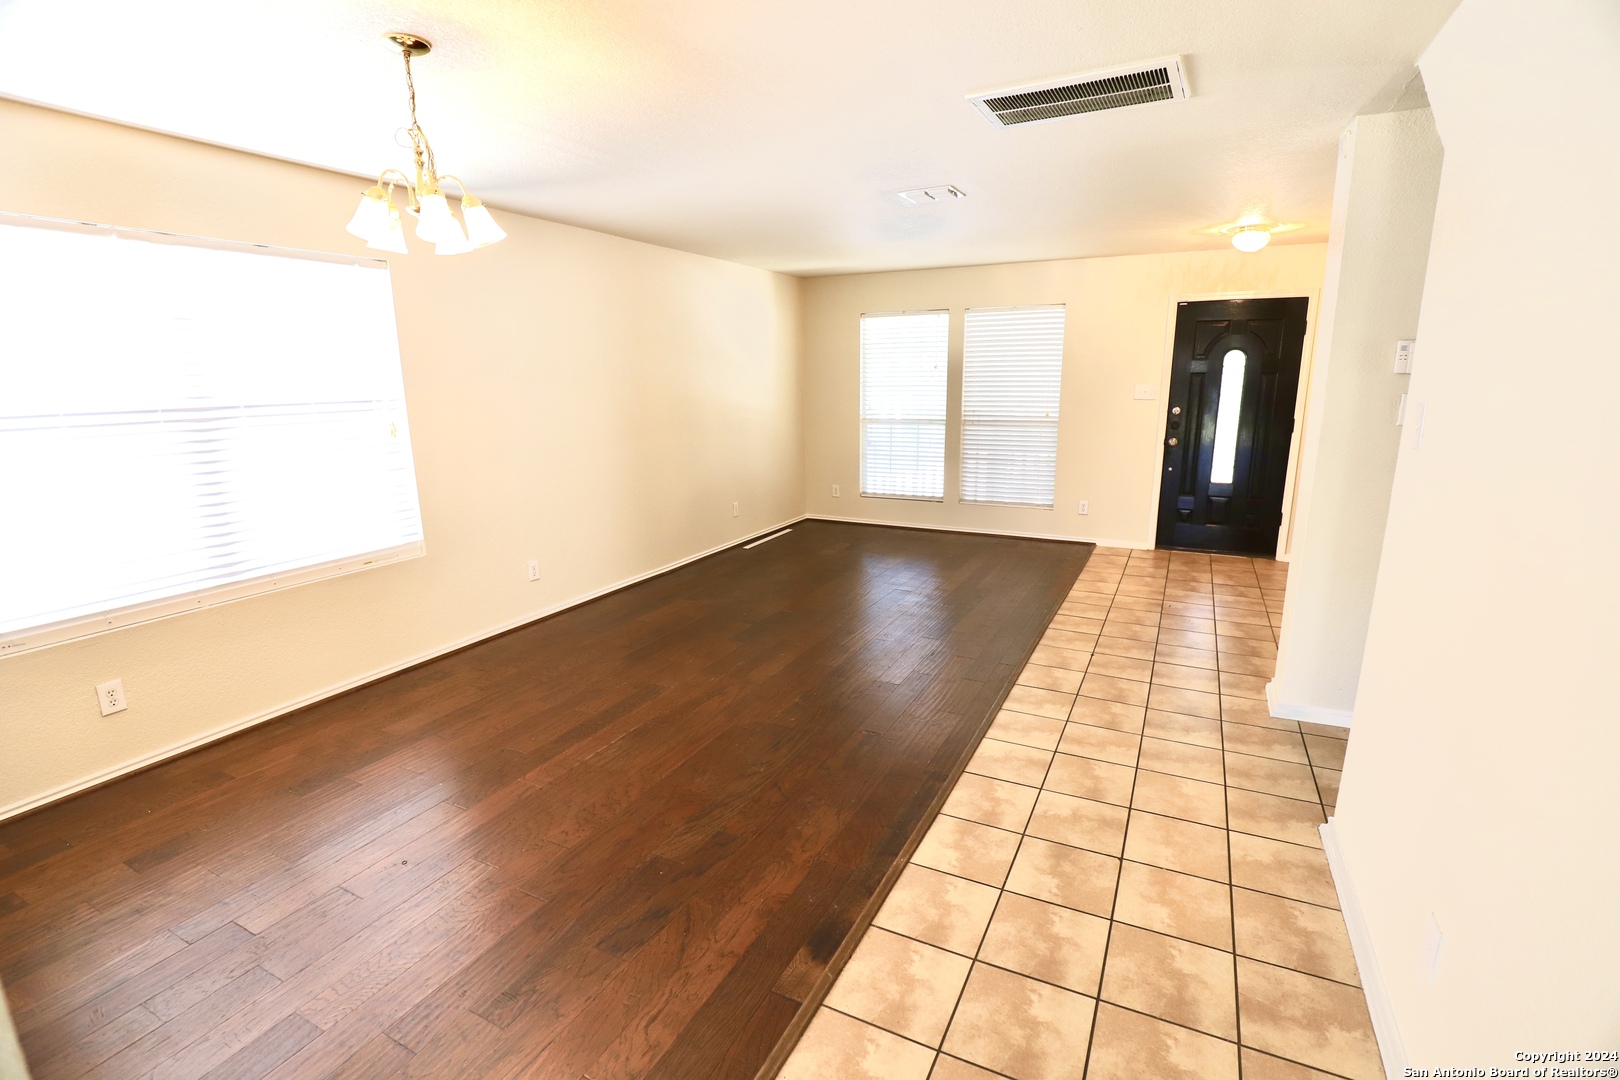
<point x="761" y="131"/>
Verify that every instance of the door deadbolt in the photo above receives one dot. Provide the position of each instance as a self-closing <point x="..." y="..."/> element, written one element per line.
<point x="1176" y="411"/>
<point x="1172" y="440"/>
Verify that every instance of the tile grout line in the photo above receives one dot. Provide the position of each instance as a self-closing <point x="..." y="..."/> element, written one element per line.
<point x="1231" y="890"/>
<point x="1159" y="738"/>
<point x="1113" y="905"/>
<point x="1001" y="891"/>
<point x="1042" y="789"/>
<point x="1133" y="862"/>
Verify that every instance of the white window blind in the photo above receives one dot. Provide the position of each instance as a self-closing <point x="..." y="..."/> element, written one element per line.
<point x="903" y="404"/>
<point x="1012" y="371"/>
<point x="184" y="421"/>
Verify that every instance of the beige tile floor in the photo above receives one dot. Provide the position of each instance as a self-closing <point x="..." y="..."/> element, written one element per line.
<point x="1128" y="880"/>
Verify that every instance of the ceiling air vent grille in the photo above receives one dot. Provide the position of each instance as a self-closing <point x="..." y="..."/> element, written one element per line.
<point x="1140" y="84"/>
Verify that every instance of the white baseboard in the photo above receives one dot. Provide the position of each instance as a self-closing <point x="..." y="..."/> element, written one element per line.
<point x="1311" y="714"/>
<point x="1379" y="1006"/>
<point x="1136" y="544"/>
<point x="34" y="802"/>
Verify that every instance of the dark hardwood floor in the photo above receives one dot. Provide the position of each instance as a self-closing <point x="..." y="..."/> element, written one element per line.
<point x="626" y="841"/>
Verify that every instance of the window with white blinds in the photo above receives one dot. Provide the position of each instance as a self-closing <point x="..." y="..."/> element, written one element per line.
<point x="903" y="364"/>
<point x="184" y="422"/>
<point x="1012" y="371"/>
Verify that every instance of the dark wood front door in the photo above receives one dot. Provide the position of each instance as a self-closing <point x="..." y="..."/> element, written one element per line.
<point x="1233" y="382"/>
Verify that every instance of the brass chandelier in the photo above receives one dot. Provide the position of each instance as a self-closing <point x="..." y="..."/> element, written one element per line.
<point x="378" y="220"/>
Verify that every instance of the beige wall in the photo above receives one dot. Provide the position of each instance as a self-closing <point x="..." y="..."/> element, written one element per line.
<point x="1481" y="781"/>
<point x="1378" y="247"/>
<point x="578" y="398"/>
<point x="1118" y="329"/>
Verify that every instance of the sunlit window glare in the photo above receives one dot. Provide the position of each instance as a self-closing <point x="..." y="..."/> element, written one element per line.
<point x="903" y="362"/>
<point x="1226" y="416"/>
<point x="177" y="417"/>
<point x="1012" y="375"/>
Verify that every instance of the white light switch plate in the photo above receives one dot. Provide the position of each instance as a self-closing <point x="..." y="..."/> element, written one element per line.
<point x="1146" y="391"/>
<point x="1403" y="357"/>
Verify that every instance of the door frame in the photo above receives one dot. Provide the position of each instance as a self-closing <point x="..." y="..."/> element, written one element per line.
<point x="1307" y="364"/>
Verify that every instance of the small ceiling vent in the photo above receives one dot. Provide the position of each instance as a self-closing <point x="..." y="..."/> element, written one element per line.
<point x="1139" y="84"/>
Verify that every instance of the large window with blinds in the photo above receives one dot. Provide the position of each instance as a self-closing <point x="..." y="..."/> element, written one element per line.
<point x="903" y="369"/>
<point x="1012" y="372"/>
<point x="184" y="422"/>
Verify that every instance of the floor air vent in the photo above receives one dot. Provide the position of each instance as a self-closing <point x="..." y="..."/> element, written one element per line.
<point x="1139" y="84"/>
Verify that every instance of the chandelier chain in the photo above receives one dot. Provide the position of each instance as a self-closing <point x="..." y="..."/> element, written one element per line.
<point x="410" y="85"/>
<point x="427" y="179"/>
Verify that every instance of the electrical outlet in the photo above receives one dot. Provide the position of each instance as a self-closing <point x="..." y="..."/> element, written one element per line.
<point x="734" y="509"/>
<point x="835" y="491"/>
<point x="1146" y="392"/>
<point x="1085" y="507"/>
<point x="110" y="696"/>
<point x="534" y="569"/>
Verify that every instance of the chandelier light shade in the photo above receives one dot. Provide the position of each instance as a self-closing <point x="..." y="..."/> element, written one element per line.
<point x="481" y="227"/>
<point x="434" y="224"/>
<point x="393" y="235"/>
<point x="377" y="220"/>
<point x="371" y="218"/>
<point x="454" y="244"/>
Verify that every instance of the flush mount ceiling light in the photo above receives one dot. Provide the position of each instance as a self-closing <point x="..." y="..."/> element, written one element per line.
<point x="1251" y="237"/>
<point x="1251" y="232"/>
<point x="377" y="221"/>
